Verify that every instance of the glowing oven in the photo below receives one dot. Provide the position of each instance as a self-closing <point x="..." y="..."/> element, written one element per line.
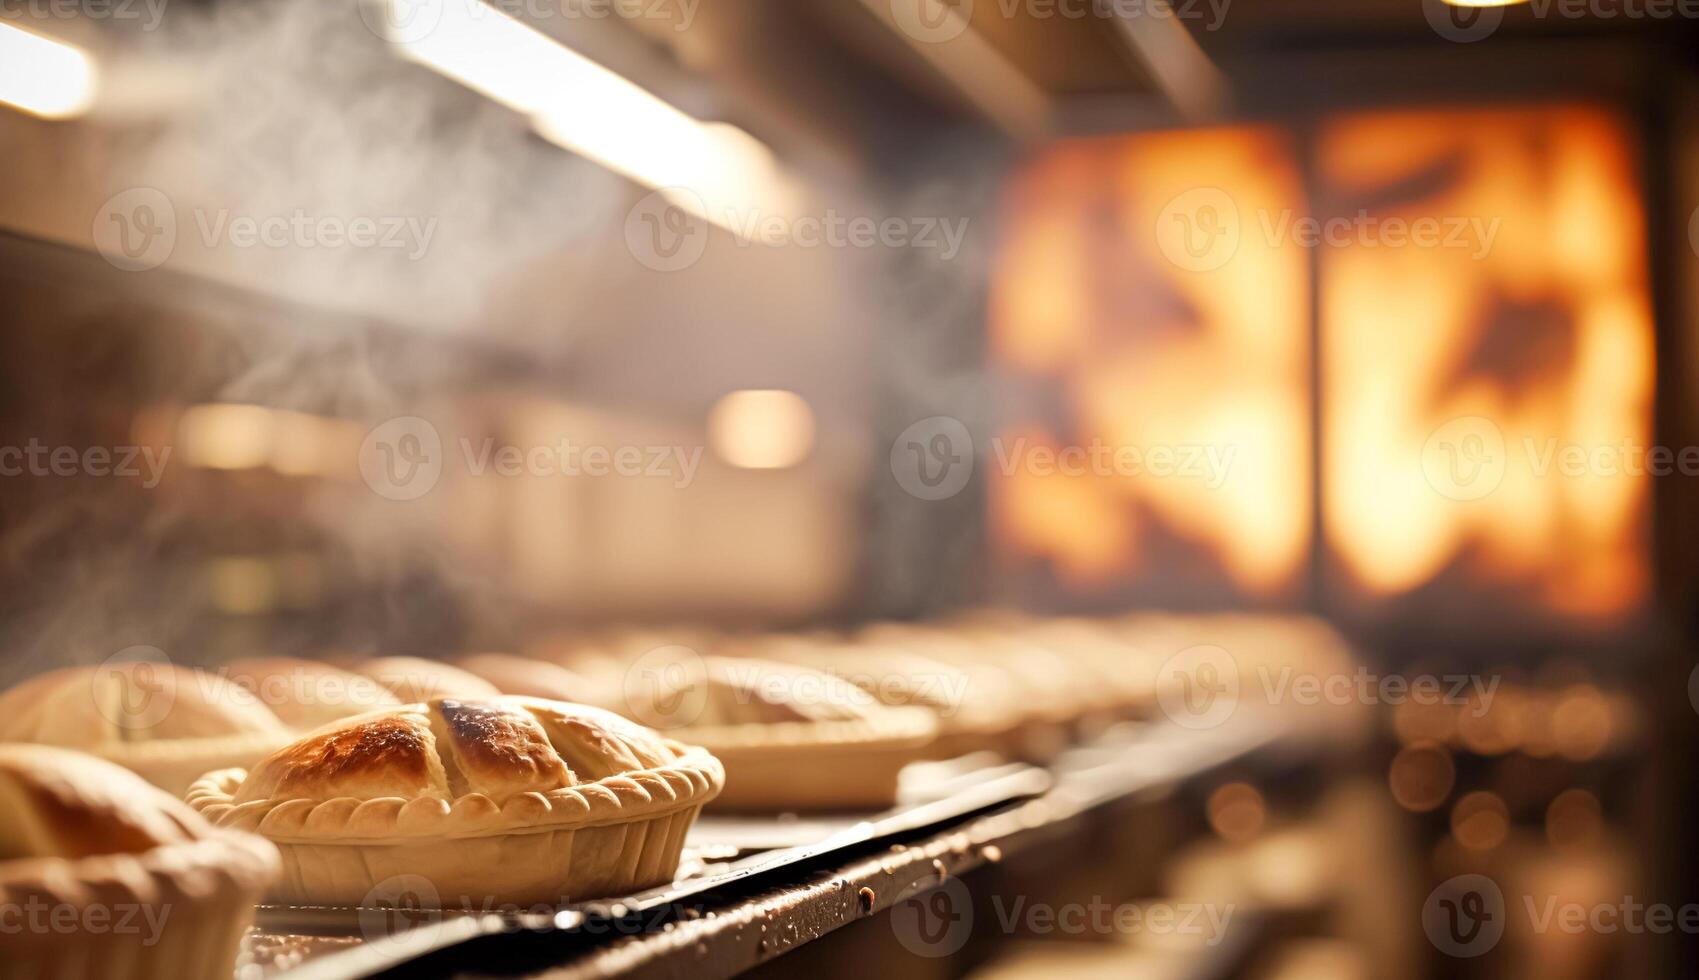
<point x="1401" y="366"/>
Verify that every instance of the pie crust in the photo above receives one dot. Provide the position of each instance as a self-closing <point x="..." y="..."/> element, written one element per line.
<point x="415" y="679"/>
<point x="976" y="704"/>
<point x="154" y="892"/>
<point x="305" y="694"/>
<point x="169" y="724"/>
<point x="1024" y="702"/>
<point x="791" y="738"/>
<point x="481" y="822"/>
<point x="852" y="765"/>
<point x="534" y="678"/>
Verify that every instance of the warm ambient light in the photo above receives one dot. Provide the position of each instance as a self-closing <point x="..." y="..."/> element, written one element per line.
<point x="224" y="436"/>
<point x="1480" y="821"/>
<point x="44" y="77"/>
<point x="1450" y="371"/>
<point x="1235" y="314"/>
<point x="762" y="430"/>
<point x="1485" y="3"/>
<point x="581" y="106"/>
<point x="1422" y="776"/>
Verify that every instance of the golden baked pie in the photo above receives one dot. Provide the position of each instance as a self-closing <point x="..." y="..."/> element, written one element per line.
<point x="1009" y="715"/>
<point x="1252" y="645"/>
<point x="976" y="709"/>
<point x="170" y="724"/>
<point x="1120" y="672"/>
<point x="106" y="876"/>
<point x="496" y="801"/>
<point x="1054" y="680"/>
<point x="620" y="642"/>
<point x="413" y="679"/>
<point x="536" y="678"/>
<point x="791" y="737"/>
<point x="305" y="694"/>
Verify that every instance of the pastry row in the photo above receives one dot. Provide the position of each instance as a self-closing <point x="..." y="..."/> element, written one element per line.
<point x="802" y="721"/>
<point x="504" y="781"/>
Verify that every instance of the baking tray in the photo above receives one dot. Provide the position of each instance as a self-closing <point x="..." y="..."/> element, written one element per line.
<point x="1144" y="757"/>
<point x="309" y="943"/>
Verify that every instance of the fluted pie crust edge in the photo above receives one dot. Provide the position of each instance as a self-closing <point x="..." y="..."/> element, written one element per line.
<point x="199" y="894"/>
<point x="609" y="837"/>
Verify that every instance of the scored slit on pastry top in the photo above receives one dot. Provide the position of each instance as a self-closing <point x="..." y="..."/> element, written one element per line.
<point x="596" y="743"/>
<point x="499" y="748"/>
<point x="511" y="762"/>
<point x="496" y="749"/>
<point x="453" y="778"/>
<point x="389" y="755"/>
<point x="509" y="835"/>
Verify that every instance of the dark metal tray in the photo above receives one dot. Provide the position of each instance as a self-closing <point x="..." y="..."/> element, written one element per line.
<point x="309" y="943"/>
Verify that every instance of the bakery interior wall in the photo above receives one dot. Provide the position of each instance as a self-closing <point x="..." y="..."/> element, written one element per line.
<point x="523" y="309"/>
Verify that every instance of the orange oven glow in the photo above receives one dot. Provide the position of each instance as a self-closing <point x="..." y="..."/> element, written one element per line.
<point x="1163" y="339"/>
<point x="1487" y="400"/>
<point x="1485" y="362"/>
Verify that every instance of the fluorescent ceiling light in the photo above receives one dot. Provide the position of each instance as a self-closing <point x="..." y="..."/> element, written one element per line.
<point x="42" y="76"/>
<point x="577" y="104"/>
